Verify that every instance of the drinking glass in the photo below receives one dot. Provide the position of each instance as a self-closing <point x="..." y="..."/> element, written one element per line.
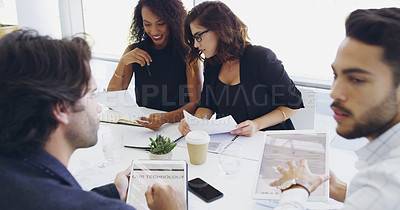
<point x="113" y="146"/>
<point x="229" y="156"/>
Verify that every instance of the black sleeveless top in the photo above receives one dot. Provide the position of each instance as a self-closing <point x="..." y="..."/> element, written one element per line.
<point x="166" y="88"/>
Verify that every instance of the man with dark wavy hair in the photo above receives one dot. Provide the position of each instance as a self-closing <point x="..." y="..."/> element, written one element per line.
<point x="47" y="111"/>
<point x="366" y="94"/>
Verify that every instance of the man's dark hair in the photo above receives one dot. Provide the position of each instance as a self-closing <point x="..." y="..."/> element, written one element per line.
<point x="36" y="73"/>
<point x="379" y="27"/>
<point x="217" y="17"/>
<point x="172" y="11"/>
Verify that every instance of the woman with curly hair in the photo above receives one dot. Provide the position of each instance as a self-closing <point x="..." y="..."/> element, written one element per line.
<point x="156" y="56"/>
<point x="240" y="79"/>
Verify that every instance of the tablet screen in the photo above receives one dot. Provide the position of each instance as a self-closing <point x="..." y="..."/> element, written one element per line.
<point x="145" y="173"/>
<point x="282" y="146"/>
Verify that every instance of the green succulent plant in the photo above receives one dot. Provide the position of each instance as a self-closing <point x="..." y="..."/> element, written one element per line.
<point x="161" y="145"/>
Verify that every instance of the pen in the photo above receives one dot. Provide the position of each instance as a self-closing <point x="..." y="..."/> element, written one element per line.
<point x="148" y="70"/>
<point x="148" y="148"/>
<point x="176" y="140"/>
<point x="235" y="137"/>
<point x="231" y="141"/>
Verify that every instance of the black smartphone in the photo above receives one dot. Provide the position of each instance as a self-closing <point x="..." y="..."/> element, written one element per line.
<point x="203" y="190"/>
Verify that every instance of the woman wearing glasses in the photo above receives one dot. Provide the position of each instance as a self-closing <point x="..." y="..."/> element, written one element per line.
<point x="242" y="80"/>
<point x="163" y="80"/>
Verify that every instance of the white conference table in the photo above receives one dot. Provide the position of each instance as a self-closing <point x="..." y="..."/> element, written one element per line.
<point x="91" y="169"/>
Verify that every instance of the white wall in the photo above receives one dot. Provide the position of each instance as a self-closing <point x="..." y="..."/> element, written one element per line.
<point x="42" y="15"/>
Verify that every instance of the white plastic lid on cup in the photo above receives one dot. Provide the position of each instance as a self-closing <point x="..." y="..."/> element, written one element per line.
<point x="197" y="137"/>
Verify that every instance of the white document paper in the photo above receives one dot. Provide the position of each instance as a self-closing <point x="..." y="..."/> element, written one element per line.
<point x="211" y="126"/>
<point x="138" y="137"/>
<point x="123" y="104"/>
<point x="217" y="139"/>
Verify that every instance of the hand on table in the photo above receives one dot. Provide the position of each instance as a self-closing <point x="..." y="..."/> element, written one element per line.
<point x="165" y="197"/>
<point x="301" y="172"/>
<point x="122" y="183"/>
<point x="246" y="128"/>
<point x="183" y="127"/>
<point x="154" y="121"/>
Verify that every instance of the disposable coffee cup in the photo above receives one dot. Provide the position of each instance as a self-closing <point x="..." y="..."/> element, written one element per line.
<point x="197" y="144"/>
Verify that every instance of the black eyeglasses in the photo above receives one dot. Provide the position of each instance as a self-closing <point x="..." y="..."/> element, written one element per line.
<point x="197" y="37"/>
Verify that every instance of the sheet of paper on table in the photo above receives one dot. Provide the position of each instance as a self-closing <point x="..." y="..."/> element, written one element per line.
<point x="211" y="126"/>
<point x="138" y="137"/>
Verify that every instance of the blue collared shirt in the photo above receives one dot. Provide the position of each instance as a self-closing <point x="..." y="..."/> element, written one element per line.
<point x="40" y="181"/>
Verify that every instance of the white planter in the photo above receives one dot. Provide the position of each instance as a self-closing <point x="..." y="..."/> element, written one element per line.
<point x="167" y="156"/>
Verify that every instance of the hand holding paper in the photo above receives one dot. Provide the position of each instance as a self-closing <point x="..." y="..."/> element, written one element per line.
<point x="212" y="126"/>
<point x="246" y="128"/>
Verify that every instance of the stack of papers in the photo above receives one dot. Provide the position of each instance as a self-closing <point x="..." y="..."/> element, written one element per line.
<point x="211" y="126"/>
<point x="218" y="129"/>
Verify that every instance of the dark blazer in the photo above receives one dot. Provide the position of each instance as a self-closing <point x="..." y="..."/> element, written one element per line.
<point x="265" y="81"/>
<point x="40" y="181"/>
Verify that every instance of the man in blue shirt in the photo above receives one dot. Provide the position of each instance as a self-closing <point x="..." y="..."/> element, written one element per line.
<point x="366" y="94"/>
<point x="47" y="111"/>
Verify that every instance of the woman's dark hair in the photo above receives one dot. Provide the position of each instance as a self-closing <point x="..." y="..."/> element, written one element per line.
<point x="217" y="17"/>
<point x="36" y="73"/>
<point x="172" y="11"/>
<point x="380" y="27"/>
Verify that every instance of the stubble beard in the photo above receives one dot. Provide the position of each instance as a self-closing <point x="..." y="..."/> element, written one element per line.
<point x="375" y="120"/>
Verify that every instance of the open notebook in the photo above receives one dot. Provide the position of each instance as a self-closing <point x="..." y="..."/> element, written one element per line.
<point x="119" y="107"/>
<point x="138" y="136"/>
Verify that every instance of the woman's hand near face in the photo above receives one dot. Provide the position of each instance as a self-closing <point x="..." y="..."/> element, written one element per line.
<point x="136" y="55"/>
